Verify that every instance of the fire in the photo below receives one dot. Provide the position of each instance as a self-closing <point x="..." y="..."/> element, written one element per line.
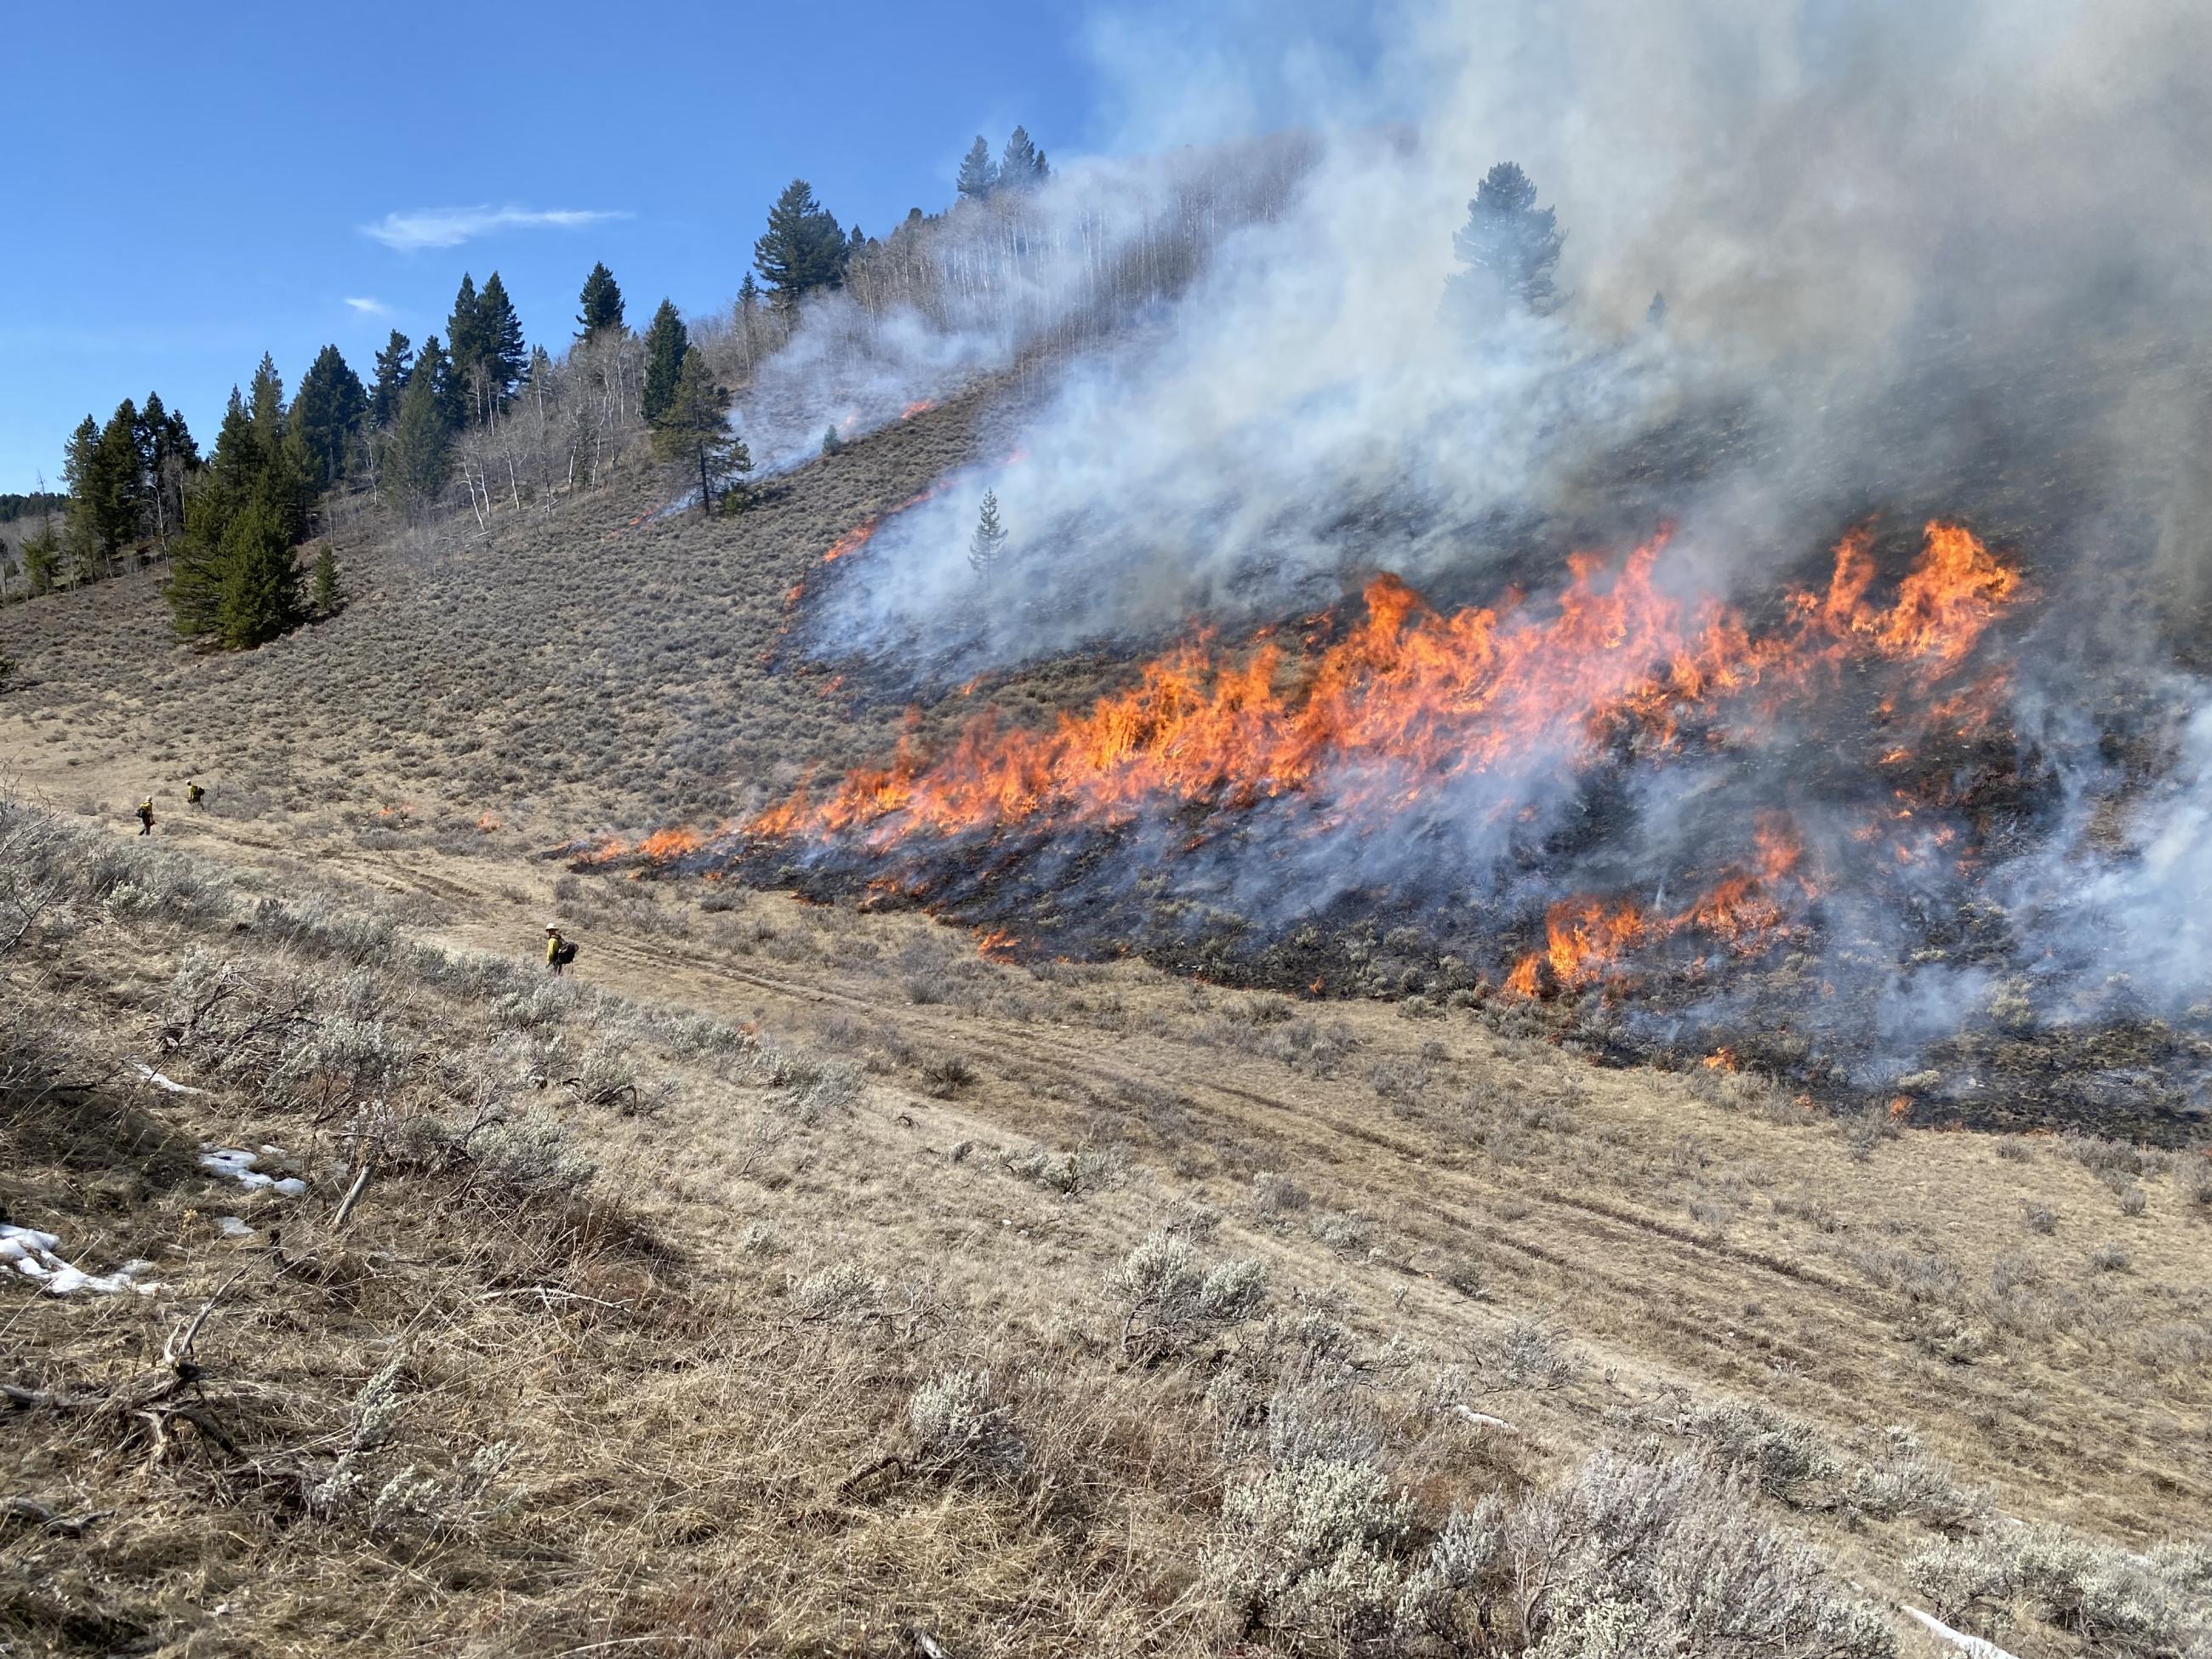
<point x="852" y="540"/>
<point x="1588" y="939"/>
<point x="1410" y="694"/>
<point x="486" y="823"/>
<point x="997" y="946"/>
<point x="1721" y="1059"/>
<point x="665" y="844"/>
<point x="919" y="406"/>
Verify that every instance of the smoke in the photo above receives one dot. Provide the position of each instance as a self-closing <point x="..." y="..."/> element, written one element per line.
<point x="1906" y="253"/>
<point x="1917" y="262"/>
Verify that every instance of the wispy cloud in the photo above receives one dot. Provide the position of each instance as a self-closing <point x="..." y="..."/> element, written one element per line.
<point x="372" y="307"/>
<point x="451" y="226"/>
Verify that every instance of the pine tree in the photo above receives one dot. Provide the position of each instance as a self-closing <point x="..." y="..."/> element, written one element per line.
<point x="42" y="553"/>
<point x="832" y="443"/>
<point x="265" y="398"/>
<point x="979" y="174"/>
<point x="667" y="343"/>
<point x="600" y="303"/>
<point x="261" y="594"/>
<point x="803" y="248"/>
<point x="236" y="479"/>
<point x="394" y="364"/>
<point x="691" y="428"/>
<point x="448" y="395"/>
<point x="465" y="334"/>
<point x="748" y="296"/>
<point x="987" y="546"/>
<point x="119" y="503"/>
<point x="81" y="481"/>
<point x="329" y="415"/>
<point x="505" y="357"/>
<point x="420" y="458"/>
<point x="1021" y="167"/>
<point x="1509" y="246"/>
<point x="329" y="593"/>
<point x="167" y="455"/>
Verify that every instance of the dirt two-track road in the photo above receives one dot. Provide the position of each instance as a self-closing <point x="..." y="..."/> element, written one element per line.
<point x="1450" y="1172"/>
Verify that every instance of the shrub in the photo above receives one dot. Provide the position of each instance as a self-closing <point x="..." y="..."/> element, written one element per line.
<point x="1166" y="1300"/>
<point x="959" y="1427"/>
<point x="2110" y="1600"/>
<point x="1305" y="1549"/>
<point x="1633" y="1557"/>
<point x="843" y="1290"/>
<point x="1527" y="1354"/>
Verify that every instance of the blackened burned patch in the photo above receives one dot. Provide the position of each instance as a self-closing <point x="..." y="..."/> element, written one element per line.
<point x="1830" y="833"/>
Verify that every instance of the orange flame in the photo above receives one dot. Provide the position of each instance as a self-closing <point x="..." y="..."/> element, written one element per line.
<point x="665" y="844"/>
<point x="1416" y="693"/>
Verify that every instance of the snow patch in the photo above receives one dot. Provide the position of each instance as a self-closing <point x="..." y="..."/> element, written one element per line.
<point x="244" y="1168"/>
<point x="167" y="1082"/>
<point x="32" y="1254"/>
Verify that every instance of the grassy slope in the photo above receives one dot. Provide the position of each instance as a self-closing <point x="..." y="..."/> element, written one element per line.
<point x="685" y="1401"/>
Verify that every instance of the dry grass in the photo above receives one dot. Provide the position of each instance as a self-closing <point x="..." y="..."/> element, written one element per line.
<point x="648" y="1329"/>
<point x="791" y="1279"/>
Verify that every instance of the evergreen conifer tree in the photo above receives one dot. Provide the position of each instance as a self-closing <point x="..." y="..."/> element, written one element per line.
<point x="166" y="454"/>
<point x="81" y="477"/>
<point x="979" y="174"/>
<point x="691" y="428"/>
<point x="264" y="399"/>
<point x="600" y="305"/>
<point x="803" y="248"/>
<point x="447" y="394"/>
<point x="393" y="365"/>
<point x="667" y="343"/>
<point x="118" y="500"/>
<point x="328" y="592"/>
<point x="260" y="596"/>
<point x="465" y="333"/>
<point x="329" y="415"/>
<point x="505" y="357"/>
<point x="1508" y="247"/>
<point x="987" y="546"/>
<point x="234" y="479"/>
<point x="1021" y="165"/>
<point x="420" y="458"/>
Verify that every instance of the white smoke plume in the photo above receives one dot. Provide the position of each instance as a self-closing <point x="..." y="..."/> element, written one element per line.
<point x="1891" y="243"/>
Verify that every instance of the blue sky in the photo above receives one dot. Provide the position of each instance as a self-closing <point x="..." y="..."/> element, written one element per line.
<point x="191" y="187"/>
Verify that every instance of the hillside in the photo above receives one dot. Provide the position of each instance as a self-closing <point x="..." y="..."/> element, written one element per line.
<point x="612" y="664"/>
<point x="799" y="1279"/>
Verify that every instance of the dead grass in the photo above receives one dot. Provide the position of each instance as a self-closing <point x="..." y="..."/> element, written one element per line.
<point x="651" y="1329"/>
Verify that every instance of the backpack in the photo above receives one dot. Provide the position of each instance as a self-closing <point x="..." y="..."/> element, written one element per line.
<point x="565" y="952"/>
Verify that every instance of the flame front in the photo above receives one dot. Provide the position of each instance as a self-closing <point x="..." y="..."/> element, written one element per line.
<point x="1411" y="696"/>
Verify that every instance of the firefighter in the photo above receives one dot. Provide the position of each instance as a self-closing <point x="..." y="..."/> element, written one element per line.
<point x="554" y="958"/>
<point x="146" y="816"/>
<point x="196" y="797"/>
